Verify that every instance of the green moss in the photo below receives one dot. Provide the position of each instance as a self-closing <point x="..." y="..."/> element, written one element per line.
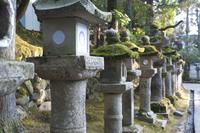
<point x="22" y="91"/>
<point x="176" y="57"/>
<point x="150" y="51"/>
<point x="113" y="51"/>
<point x="133" y="46"/>
<point x="168" y="51"/>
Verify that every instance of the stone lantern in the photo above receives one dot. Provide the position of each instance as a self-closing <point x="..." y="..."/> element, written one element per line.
<point x="146" y="66"/>
<point x="113" y="80"/>
<point x="180" y="64"/>
<point x="168" y="52"/>
<point x="175" y="59"/>
<point x="12" y="73"/>
<point x="66" y="61"/>
<point x="133" y="73"/>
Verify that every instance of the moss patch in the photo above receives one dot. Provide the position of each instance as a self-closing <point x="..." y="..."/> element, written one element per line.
<point x="115" y="50"/>
<point x="133" y="46"/>
<point x="150" y="51"/>
<point x="168" y="51"/>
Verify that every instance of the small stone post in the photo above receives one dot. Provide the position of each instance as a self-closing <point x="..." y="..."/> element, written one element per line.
<point x="67" y="62"/>
<point x="168" y="81"/>
<point x="113" y="85"/>
<point x="174" y="78"/>
<point x="128" y="96"/>
<point x="156" y="84"/>
<point x="179" y="75"/>
<point x="164" y="75"/>
<point x="12" y="73"/>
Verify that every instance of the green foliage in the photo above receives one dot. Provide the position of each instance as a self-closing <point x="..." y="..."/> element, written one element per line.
<point x="190" y="54"/>
<point x="122" y="18"/>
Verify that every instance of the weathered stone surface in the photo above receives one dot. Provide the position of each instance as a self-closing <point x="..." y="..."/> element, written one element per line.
<point x="22" y="100"/>
<point x="128" y="108"/>
<point x="114" y="72"/>
<point x="21" y="113"/>
<point x="29" y="87"/>
<point x="133" y="74"/>
<point x="48" y="95"/>
<point x="46" y="106"/>
<point x="67" y="67"/>
<point x="68" y="106"/>
<point x="145" y="95"/>
<point x="39" y="84"/>
<point x="113" y="113"/>
<point x="12" y="74"/>
<point x="149" y="117"/>
<point x="115" y="88"/>
<point x="156" y="86"/>
<point x="72" y="8"/>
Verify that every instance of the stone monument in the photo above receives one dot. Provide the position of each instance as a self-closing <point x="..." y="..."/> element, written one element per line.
<point x="66" y="61"/>
<point x="12" y="73"/>
<point x="133" y="73"/>
<point x="146" y="66"/>
<point x="128" y="97"/>
<point x="113" y="80"/>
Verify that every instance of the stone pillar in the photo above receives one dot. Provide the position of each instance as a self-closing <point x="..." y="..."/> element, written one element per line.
<point x="174" y="79"/>
<point x="113" y="84"/>
<point x="68" y="89"/>
<point x="128" y="96"/>
<point x="164" y="75"/>
<point x="179" y="76"/>
<point x="168" y="80"/>
<point x="68" y="102"/>
<point x="156" y="84"/>
<point x="12" y="73"/>
<point x="146" y="65"/>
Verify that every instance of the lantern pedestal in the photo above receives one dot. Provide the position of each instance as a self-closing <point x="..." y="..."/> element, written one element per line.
<point x="68" y="78"/>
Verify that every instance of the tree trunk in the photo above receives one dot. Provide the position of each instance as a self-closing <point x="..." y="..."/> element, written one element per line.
<point x="111" y="5"/>
<point x="129" y="12"/>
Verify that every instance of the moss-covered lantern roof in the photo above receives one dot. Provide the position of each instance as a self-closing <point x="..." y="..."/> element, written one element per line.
<point x="114" y="51"/>
<point x="125" y="39"/>
<point x="132" y="46"/>
<point x="168" y="51"/>
<point x="83" y="9"/>
<point x="176" y="57"/>
<point x="150" y="51"/>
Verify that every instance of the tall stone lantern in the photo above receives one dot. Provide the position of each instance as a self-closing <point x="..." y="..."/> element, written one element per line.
<point x="113" y="80"/>
<point x="180" y="64"/>
<point x="66" y="61"/>
<point x="133" y="73"/>
<point x="146" y="65"/>
<point x="168" y="52"/>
